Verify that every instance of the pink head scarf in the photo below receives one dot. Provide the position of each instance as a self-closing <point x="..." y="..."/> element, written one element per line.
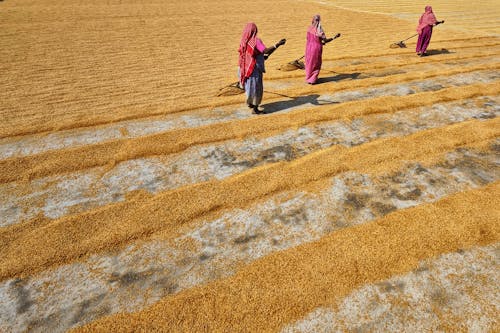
<point x="315" y="27"/>
<point x="247" y="52"/>
<point x="426" y="19"/>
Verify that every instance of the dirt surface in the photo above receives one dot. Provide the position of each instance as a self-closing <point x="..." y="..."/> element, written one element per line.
<point x="132" y="197"/>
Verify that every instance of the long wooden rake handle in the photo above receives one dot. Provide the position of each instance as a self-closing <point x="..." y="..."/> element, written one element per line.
<point x="409" y="37"/>
<point x="335" y="37"/>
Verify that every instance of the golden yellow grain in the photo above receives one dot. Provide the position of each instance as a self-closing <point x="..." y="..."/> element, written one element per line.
<point x="285" y="286"/>
<point x="72" y="159"/>
<point x="70" y="64"/>
<point x="36" y="245"/>
<point x="67" y="65"/>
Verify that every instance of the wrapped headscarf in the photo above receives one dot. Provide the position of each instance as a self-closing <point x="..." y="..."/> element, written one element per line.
<point x="427" y="18"/>
<point x="247" y="52"/>
<point x="316" y="27"/>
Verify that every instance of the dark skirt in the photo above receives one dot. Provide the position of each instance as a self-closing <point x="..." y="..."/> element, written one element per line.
<point x="424" y="39"/>
<point x="254" y="87"/>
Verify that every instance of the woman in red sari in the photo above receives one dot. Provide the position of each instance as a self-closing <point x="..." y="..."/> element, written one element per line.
<point x="424" y="29"/>
<point x="251" y="65"/>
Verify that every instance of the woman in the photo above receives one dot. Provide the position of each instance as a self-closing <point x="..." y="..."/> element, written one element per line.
<point x="251" y="65"/>
<point x="424" y="29"/>
<point x="316" y="38"/>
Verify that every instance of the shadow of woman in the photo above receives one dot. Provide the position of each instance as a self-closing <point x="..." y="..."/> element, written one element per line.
<point x="436" y="52"/>
<point x="294" y="102"/>
<point x="338" y="77"/>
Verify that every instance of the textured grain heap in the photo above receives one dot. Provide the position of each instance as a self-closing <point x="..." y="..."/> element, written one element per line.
<point x="132" y="198"/>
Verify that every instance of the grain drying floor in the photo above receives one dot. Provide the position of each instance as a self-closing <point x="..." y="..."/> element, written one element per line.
<point x="132" y="198"/>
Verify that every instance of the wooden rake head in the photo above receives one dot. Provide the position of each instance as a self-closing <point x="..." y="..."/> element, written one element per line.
<point x="231" y="89"/>
<point x="400" y="44"/>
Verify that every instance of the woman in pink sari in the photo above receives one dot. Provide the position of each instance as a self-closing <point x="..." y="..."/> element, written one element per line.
<point x="424" y="29"/>
<point x="316" y="38"/>
<point x="251" y="65"/>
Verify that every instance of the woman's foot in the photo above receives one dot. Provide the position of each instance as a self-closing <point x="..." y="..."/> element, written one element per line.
<point x="419" y="54"/>
<point x="251" y="106"/>
<point x="256" y="110"/>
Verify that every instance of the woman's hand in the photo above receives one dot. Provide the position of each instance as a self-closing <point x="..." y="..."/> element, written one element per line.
<point x="328" y="40"/>
<point x="267" y="52"/>
<point x="281" y="42"/>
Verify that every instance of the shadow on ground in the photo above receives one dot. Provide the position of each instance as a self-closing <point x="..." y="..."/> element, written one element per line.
<point x="338" y="77"/>
<point x="436" y="52"/>
<point x="294" y="102"/>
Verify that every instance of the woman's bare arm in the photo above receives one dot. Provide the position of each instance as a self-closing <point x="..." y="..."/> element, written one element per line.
<point x="267" y="52"/>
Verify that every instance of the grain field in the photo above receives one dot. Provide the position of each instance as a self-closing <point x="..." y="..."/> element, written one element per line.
<point x="133" y="198"/>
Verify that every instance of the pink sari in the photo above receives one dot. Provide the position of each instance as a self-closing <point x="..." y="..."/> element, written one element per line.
<point x="314" y="50"/>
<point x="424" y="29"/>
<point x="427" y="19"/>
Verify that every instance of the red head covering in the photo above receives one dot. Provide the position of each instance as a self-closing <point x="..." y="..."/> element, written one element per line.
<point x="426" y="19"/>
<point x="247" y="52"/>
<point x="315" y="27"/>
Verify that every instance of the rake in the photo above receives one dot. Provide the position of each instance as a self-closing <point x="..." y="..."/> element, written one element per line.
<point x="235" y="88"/>
<point x="293" y="65"/>
<point x="231" y="89"/>
<point x="297" y="63"/>
<point x="401" y="44"/>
